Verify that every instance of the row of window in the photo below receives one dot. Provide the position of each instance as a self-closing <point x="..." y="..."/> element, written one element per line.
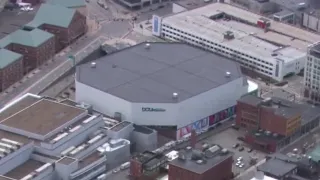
<point x="265" y="69"/>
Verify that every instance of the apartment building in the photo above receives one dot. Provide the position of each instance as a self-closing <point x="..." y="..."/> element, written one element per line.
<point x="11" y="68"/>
<point x="36" y="46"/>
<point x="312" y="74"/>
<point x="67" y="25"/>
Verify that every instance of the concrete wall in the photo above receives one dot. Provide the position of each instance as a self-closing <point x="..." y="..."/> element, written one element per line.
<point x="16" y="158"/>
<point x="123" y="133"/>
<point x="76" y="139"/>
<point x="311" y="22"/>
<point x="145" y="142"/>
<point x="179" y="114"/>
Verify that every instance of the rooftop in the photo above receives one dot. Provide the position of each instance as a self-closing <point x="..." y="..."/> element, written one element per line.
<point x="41" y="117"/>
<point x="286" y="40"/>
<point x="7" y="57"/>
<point x="277" y="167"/>
<point x="142" y="129"/>
<point x="90" y="159"/>
<point x="24" y="169"/>
<point x="284" y="107"/>
<point x="33" y="38"/>
<point x="68" y="3"/>
<point x="120" y="126"/>
<point x="208" y="159"/>
<point x="47" y="14"/>
<point x="67" y="160"/>
<point x="153" y="72"/>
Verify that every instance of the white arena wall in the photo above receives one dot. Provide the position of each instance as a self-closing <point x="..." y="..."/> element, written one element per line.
<point x="180" y="114"/>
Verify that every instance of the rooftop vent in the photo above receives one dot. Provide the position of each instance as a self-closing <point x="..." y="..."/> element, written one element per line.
<point x="175" y="95"/>
<point x="147" y="46"/>
<point x="199" y="161"/>
<point x="188" y="147"/>
<point x="228" y="35"/>
<point x="93" y="64"/>
<point x="228" y="74"/>
<point x="224" y="151"/>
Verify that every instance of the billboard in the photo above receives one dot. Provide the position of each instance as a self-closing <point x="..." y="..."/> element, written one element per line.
<point x="222" y="115"/>
<point x="202" y="124"/>
<point x="156" y="25"/>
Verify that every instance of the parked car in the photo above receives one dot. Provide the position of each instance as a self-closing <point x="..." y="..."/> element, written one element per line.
<point x="236" y="145"/>
<point x="250" y="150"/>
<point x="241" y="149"/>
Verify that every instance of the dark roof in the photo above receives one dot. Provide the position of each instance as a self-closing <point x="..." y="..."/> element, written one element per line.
<point x="284" y="107"/>
<point x="47" y="14"/>
<point x="208" y="162"/>
<point x="8" y="57"/>
<point x="140" y="74"/>
<point x="250" y="99"/>
<point x="277" y="167"/>
<point x="142" y="129"/>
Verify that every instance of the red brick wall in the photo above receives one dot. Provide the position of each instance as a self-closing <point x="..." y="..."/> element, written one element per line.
<point x="223" y="171"/>
<point x="272" y="122"/>
<point x="243" y="111"/>
<point x="11" y="74"/>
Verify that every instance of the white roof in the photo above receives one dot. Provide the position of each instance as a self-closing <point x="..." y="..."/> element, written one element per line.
<point x="246" y="36"/>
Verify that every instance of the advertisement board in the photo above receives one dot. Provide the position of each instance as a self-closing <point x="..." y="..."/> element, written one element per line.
<point x="156" y="25"/>
<point x="202" y="124"/>
<point x="222" y="115"/>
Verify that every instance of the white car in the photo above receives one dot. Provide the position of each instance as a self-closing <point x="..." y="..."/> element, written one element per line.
<point x="241" y="165"/>
<point x="240" y="159"/>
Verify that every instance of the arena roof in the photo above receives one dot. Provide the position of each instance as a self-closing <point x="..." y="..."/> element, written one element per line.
<point x="152" y="75"/>
<point x="247" y="36"/>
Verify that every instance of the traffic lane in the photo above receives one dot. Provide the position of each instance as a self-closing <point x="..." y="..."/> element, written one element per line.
<point x="227" y="139"/>
<point x="116" y="29"/>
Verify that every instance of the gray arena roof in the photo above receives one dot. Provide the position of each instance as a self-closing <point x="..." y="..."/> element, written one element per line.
<point x="153" y="74"/>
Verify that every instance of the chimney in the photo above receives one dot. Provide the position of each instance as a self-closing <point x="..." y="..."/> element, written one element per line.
<point x="93" y="64"/>
<point x="193" y="138"/>
<point x="135" y="168"/>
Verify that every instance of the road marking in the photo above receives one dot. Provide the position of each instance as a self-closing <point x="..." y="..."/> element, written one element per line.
<point x="52" y="71"/>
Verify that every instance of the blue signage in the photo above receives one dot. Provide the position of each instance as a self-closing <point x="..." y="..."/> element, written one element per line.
<point x="155" y="24"/>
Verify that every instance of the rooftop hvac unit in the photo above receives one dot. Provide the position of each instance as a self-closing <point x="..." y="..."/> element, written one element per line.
<point x="95" y="139"/>
<point x="188" y="148"/>
<point x="93" y="64"/>
<point x="8" y="141"/>
<point x="45" y="166"/>
<point x="59" y="137"/>
<point x="68" y="150"/>
<point x="74" y="129"/>
<point x="200" y="161"/>
<point x="118" y="116"/>
<point x="224" y="151"/>
<point x="89" y="119"/>
<point x="175" y="95"/>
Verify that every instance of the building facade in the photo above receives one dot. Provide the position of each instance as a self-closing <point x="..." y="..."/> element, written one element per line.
<point x="11" y="68"/>
<point x="274" y="123"/>
<point x="67" y="26"/>
<point x="226" y="37"/>
<point x="35" y="45"/>
<point x="312" y="74"/>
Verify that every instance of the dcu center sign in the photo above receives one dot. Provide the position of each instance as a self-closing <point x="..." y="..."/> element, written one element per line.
<point x="148" y="109"/>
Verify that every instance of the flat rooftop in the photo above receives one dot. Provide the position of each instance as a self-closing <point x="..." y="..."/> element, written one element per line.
<point x="277" y="167"/>
<point x="208" y="162"/>
<point x="288" y="41"/>
<point x="41" y="117"/>
<point x="89" y="159"/>
<point x="120" y="126"/>
<point x="153" y="74"/>
<point x="67" y="160"/>
<point x="24" y="169"/>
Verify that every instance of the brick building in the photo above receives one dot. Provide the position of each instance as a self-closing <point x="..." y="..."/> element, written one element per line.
<point x="36" y="46"/>
<point x="273" y="123"/>
<point x="11" y="68"/>
<point x="202" y="164"/>
<point x="66" y="24"/>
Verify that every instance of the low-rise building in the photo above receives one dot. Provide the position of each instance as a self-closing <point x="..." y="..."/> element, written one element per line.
<point x="67" y="25"/>
<point x="274" y="122"/>
<point x="36" y="46"/>
<point x="11" y="68"/>
<point x="79" y="5"/>
<point x="42" y="138"/>
<point x="202" y="164"/>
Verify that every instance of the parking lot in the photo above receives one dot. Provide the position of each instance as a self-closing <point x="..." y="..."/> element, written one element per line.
<point x="227" y="139"/>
